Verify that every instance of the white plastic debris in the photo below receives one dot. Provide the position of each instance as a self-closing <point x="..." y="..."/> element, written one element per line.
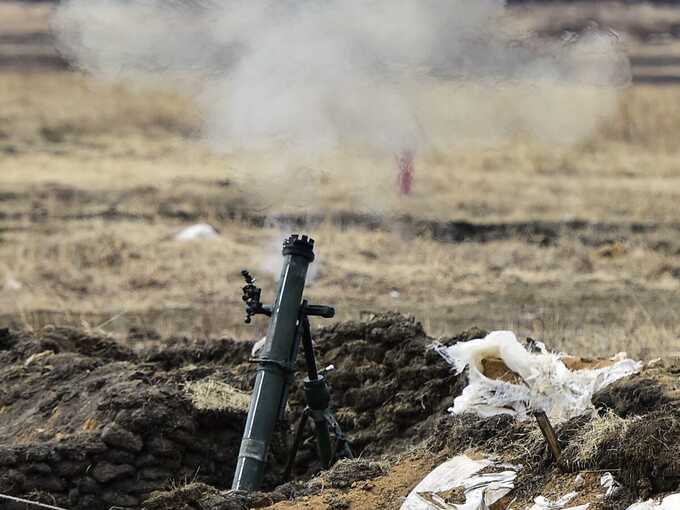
<point x="12" y="284"/>
<point x="200" y="231"/>
<point x="546" y="383"/>
<point x="258" y="345"/>
<point x="541" y="503"/>
<point x="671" y="502"/>
<point x="579" y="481"/>
<point x="480" y="491"/>
<point x="610" y="485"/>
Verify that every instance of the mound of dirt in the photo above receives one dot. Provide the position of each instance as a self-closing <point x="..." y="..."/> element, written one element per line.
<point x="88" y="425"/>
<point x="647" y="454"/>
<point x="345" y="474"/>
<point x="636" y="436"/>
<point x="388" y="384"/>
<point x="657" y="386"/>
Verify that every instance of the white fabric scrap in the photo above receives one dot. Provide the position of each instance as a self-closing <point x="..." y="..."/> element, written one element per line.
<point x="549" y="385"/>
<point x="200" y="231"/>
<point x="461" y="471"/>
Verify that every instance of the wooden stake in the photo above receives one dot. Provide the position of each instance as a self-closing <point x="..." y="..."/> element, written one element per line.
<point x="548" y="433"/>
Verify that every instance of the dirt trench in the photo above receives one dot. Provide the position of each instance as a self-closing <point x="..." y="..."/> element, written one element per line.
<point x="86" y="423"/>
<point x="217" y="200"/>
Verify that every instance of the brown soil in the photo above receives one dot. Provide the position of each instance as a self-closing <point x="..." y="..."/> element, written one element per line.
<point x="88" y="423"/>
<point x="388" y="385"/>
<point x="653" y="389"/>
<point x="494" y="368"/>
<point x="387" y="491"/>
<point x="348" y="484"/>
<point x="91" y="424"/>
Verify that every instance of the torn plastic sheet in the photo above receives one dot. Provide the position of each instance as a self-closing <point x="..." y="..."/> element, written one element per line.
<point x="462" y="472"/>
<point x="544" y="381"/>
<point x="671" y="502"/>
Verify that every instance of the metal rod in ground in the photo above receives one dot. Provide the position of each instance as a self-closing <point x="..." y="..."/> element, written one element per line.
<point x="29" y="502"/>
<point x="548" y="433"/>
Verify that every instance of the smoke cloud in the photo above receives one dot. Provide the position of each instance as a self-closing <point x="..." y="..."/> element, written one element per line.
<point x="379" y="76"/>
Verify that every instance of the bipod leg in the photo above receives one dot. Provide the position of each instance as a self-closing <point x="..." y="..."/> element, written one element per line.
<point x="299" y="433"/>
<point x="323" y="439"/>
<point x="307" y="346"/>
<point x="318" y="399"/>
<point x="343" y="449"/>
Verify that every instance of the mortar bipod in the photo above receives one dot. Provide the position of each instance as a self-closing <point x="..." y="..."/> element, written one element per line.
<point x="317" y="401"/>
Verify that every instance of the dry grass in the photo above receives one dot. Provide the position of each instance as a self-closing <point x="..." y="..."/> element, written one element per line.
<point x="20" y="17"/>
<point x="58" y="107"/>
<point x="71" y="148"/>
<point x="94" y="270"/>
<point x="213" y="395"/>
<point x="67" y="129"/>
<point x="606" y="429"/>
<point x="130" y="274"/>
<point x="642" y="20"/>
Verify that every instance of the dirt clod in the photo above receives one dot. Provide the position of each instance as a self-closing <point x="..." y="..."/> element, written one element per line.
<point x="655" y="387"/>
<point x="347" y="472"/>
<point x="631" y="396"/>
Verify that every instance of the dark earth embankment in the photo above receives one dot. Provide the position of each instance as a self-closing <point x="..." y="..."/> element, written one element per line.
<point x="88" y="423"/>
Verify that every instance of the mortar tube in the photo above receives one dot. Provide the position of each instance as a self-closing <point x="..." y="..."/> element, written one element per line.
<point x="276" y="361"/>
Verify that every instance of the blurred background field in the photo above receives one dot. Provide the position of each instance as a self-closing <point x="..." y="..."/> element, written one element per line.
<point x="577" y="244"/>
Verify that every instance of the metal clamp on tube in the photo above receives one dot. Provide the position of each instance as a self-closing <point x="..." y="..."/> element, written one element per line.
<point x="275" y="364"/>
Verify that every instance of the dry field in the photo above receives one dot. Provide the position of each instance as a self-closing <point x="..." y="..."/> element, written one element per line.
<point x="547" y="210"/>
<point x="575" y="242"/>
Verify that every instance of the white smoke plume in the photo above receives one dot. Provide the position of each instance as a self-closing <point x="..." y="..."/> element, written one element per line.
<point x="309" y="77"/>
<point x="319" y="73"/>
